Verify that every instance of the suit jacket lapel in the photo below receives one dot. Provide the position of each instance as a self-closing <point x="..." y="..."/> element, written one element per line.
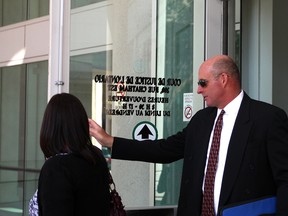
<point x="236" y="149"/>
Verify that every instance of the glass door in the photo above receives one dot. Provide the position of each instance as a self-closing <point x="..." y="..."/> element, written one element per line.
<point x="132" y="67"/>
<point x="175" y="64"/>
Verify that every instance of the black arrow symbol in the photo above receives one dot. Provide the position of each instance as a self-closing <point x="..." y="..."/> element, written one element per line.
<point x="145" y="132"/>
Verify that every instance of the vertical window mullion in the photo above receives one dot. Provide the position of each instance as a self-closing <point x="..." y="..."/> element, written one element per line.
<point x="59" y="47"/>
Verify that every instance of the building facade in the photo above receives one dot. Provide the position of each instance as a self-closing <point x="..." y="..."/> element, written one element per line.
<point x="134" y="66"/>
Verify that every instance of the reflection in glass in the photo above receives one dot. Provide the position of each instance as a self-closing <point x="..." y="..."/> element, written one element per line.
<point x="18" y="11"/>
<point x="83" y="69"/>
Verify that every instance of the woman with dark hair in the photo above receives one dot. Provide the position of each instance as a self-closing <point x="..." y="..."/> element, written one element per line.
<point x="74" y="179"/>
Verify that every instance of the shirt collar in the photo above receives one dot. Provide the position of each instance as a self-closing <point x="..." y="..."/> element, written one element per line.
<point x="234" y="106"/>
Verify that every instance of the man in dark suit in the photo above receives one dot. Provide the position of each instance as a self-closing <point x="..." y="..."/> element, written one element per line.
<point x="253" y="154"/>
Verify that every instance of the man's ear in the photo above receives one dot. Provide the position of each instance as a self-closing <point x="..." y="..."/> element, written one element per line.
<point x="224" y="78"/>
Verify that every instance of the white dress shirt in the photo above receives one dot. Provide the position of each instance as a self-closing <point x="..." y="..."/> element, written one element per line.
<point x="229" y="117"/>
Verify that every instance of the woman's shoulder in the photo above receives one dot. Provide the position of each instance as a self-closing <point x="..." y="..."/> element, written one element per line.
<point x="62" y="159"/>
<point x="65" y="167"/>
<point x="70" y="162"/>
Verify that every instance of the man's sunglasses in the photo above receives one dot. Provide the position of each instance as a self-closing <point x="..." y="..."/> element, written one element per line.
<point x="202" y="83"/>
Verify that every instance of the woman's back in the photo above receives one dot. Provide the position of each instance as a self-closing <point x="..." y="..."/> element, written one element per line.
<point x="70" y="185"/>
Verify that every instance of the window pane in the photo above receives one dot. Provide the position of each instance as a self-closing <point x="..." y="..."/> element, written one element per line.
<point x="83" y="69"/>
<point x="11" y="193"/>
<point x="36" y="100"/>
<point x="11" y="137"/>
<point x="176" y="33"/>
<point x="23" y="98"/>
<point x="12" y="116"/>
<point x="77" y="3"/>
<point x="37" y="8"/>
<point x="119" y="98"/>
<point x="13" y="11"/>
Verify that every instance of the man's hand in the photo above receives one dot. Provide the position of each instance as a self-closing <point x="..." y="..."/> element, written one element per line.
<point x="100" y="135"/>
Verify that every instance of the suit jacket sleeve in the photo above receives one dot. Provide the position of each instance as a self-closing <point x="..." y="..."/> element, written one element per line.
<point x="158" y="151"/>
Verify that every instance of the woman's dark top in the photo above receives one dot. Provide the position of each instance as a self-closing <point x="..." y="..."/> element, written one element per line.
<point x="69" y="185"/>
